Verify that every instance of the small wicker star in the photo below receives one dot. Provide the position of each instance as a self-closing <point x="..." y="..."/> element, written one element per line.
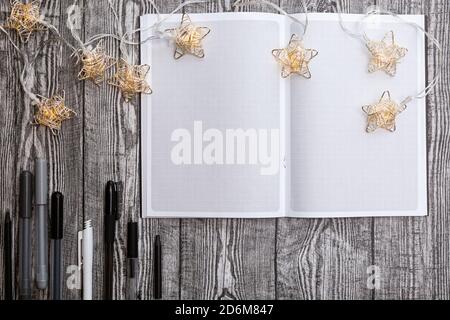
<point x="383" y="113"/>
<point x="130" y="79"/>
<point x="94" y="64"/>
<point x="295" y="58"/>
<point x="386" y="54"/>
<point x="25" y="18"/>
<point x="51" y="112"/>
<point x="188" y="38"/>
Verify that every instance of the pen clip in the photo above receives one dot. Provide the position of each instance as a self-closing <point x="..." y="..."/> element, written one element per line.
<point x="80" y="249"/>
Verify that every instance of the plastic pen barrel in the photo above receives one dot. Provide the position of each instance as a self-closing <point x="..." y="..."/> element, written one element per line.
<point x="41" y="199"/>
<point x="88" y="256"/>
<point x="157" y="269"/>
<point x="111" y="215"/>
<point x="56" y="235"/>
<point x="26" y="182"/>
<point x="8" y="258"/>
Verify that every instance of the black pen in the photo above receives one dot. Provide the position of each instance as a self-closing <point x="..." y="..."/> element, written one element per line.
<point x="157" y="286"/>
<point x="56" y="235"/>
<point x="8" y="258"/>
<point x="111" y="215"/>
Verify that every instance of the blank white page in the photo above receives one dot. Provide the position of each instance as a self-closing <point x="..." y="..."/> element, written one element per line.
<point x="236" y="85"/>
<point x="336" y="168"/>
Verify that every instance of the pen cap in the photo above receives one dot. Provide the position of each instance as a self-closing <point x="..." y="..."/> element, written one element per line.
<point x="111" y="199"/>
<point x="7" y="218"/>
<point x="57" y="216"/>
<point x="132" y="240"/>
<point x="41" y="180"/>
<point x="26" y="194"/>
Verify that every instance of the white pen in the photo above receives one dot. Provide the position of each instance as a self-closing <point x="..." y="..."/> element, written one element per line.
<point x="85" y="258"/>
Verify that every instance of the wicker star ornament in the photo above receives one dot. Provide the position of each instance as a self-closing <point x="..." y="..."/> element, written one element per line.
<point x="131" y="79"/>
<point x="52" y="112"/>
<point x="295" y="58"/>
<point x="385" y="54"/>
<point x="383" y="113"/>
<point x="94" y="62"/>
<point x="188" y="38"/>
<point x="25" y="18"/>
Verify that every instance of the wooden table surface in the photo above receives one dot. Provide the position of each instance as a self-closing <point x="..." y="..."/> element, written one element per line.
<point x="216" y="258"/>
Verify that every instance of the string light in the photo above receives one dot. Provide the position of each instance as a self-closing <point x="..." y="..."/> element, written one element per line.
<point x="94" y="62"/>
<point x="383" y="113"/>
<point x="51" y="112"/>
<point x="386" y="54"/>
<point x="25" y="18"/>
<point x="294" y="59"/>
<point x="188" y="38"/>
<point x="130" y="79"/>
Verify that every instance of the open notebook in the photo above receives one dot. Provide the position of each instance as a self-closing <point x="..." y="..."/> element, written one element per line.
<point x="226" y="136"/>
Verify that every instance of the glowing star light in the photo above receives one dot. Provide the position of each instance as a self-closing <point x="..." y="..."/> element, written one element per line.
<point x="295" y="58"/>
<point x="51" y="112"/>
<point x="130" y="79"/>
<point x="386" y="54"/>
<point x="188" y="38"/>
<point x="25" y="18"/>
<point x="383" y="113"/>
<point x="94" y="64"/>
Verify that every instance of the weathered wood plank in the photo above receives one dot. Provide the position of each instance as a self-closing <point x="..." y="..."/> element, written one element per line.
<point x="110" y="149"/>
<point x="326" y="258"/>
<point x="113" y="153"/>
<point x="412" y="253"/>
<point x="227" y="258"/>
<point x="10" y="95"/>
<point x="65" y="151"/>
<point x="29" y="141"/>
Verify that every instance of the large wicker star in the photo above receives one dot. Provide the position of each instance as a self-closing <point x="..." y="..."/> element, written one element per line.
<point x="94" y="62"/>
<point x="51" y="112"/>
<point x="188" y="38"/>
<point x="294" y="58"/>
<point x="383" y="113"/>
<point x="130" y="79"/>
<point x="25" y="18"/>
<point x="386" y="54"/>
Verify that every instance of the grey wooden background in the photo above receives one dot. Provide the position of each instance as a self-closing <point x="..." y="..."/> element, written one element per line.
<point x="222" y="258"/>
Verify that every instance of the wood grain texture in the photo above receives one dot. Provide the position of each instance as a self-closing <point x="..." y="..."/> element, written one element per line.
<point x="214" y="258"/>
<point x="412" y="253"/>
<point x="9" y="135"/>
<point x="26" y="142"/>
<point x="111" y="146"/>
<point x="65" y="151"/>
<point x="112" y="130"/>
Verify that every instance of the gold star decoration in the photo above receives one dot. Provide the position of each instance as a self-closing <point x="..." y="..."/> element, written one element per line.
<point x="51" y="112"/>
<point x="94" y="64"/>
<point x="25" y="18"/>
<point x="383" y="113"/>
<point x="188" y="38"/>
<point x="386" y="54"/>
<point x="130" y="79"/>
<point x="295" y="58"/>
